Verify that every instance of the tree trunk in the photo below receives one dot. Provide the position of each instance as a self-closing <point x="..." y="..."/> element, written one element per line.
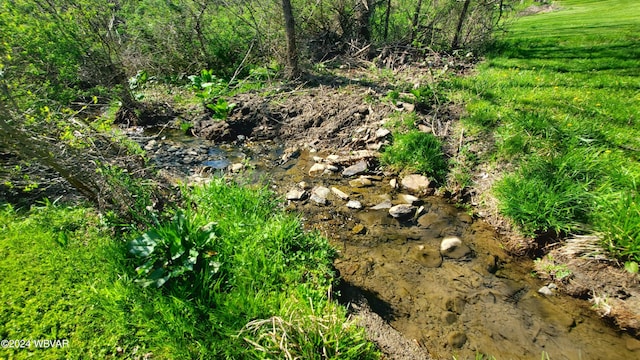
<point x="463" y="15"/>
<point x="292" y="71"/>
<point x="416" y="18"/>
<point x="386" y="20"/>
<point x="500" y="10"/>
<point x="363" y="11"/>
<point x="199" y="33"/>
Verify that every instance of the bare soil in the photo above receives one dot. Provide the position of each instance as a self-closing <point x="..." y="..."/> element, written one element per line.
<point x="317" y="117"/>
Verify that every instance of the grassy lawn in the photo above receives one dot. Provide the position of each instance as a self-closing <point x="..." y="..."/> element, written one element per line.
<point x="264" y="294"/>
<point x="560" y="96"/>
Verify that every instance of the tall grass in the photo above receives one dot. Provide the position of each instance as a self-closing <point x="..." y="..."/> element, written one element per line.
<point x="416" y="151"/>
<point x="559" y="94"/>
<point x="64" y="278"/>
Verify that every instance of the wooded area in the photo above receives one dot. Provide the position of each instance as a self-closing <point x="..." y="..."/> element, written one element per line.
<point x="63" y="59"/>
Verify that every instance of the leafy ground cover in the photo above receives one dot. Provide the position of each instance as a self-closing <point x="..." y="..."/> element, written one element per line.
<point x="64" y="277"/>
<point x="560" y="98"/>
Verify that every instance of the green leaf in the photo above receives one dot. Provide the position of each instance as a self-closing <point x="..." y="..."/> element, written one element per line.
<point x="631" y="266"/>
<point x="192" y="258"/>
<point x="144" y="268"/>
<point x="158" y="277"/>
<point x="176" y="248"/>
<point x="145" y="244"/>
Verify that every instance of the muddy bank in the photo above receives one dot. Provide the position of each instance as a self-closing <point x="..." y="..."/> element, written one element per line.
<point x="318" y="118"/>
<point x="614" y="293"/>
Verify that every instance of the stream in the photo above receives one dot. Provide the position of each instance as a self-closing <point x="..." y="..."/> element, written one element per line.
<point x="478" y="300"/>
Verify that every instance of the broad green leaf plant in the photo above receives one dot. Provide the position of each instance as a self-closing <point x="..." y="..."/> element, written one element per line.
<point x="177" y="252"/>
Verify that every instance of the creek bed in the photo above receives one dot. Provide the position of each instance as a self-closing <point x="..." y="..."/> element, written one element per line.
<point x="482" y="302"/>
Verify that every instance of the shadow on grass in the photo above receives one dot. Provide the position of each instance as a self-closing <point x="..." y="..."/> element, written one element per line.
<point x="563" y="58"/>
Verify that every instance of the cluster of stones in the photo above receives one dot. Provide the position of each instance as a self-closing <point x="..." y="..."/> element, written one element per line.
<point x="408" y="205"/>
<point x="187" y="159"/>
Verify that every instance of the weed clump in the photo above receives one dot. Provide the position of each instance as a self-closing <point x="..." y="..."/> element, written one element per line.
<point x="545" y="195"/>
<point x="619" y="223"/>
<point x="416" y="151"/>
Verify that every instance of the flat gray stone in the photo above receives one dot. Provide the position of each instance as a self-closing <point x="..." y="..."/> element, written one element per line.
<point x="304" y="185"/>
<point x="450" y="243"/>
<point x="382" y="132"/>
<point x="415" y="183"/>
<point x="354" y="204"/>
<point x="545" y="291"/>
<point x="318" y="199"/>
<point x="383" y="205"/>
<point x="319" y="195"/>
<point x="360" y="182"/>
<point x="296" y="194"/>
<point x="317" y="169"/>
<point x="356" y="169"/>
<point x="452" y="247"/>
<point x="333" y="158"/>
<point x="339" y="193"/>
<point x="237" y="167"/>
<point x="321" y="191"/>
<point x="402" y="211"/>
<point x="408" y="199"/>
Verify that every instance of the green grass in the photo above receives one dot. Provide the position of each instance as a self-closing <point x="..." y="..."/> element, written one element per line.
<point x="65" y="278"/>
<point x="416" y="151"/>
<point x="52" y="262"/>
<point x="560" y="94"/>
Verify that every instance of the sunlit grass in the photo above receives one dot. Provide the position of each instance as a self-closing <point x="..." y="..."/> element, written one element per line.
<point x="416" y="151"/>
<point x="561" y="92"/>
<point x="65" y="277"/>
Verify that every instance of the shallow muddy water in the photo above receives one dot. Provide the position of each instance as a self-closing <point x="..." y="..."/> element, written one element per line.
<point x="483" y="302"/>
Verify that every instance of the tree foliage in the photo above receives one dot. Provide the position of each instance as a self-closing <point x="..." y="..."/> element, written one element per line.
<point x="60" y="60"/>
<point x="64" y="56"/>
